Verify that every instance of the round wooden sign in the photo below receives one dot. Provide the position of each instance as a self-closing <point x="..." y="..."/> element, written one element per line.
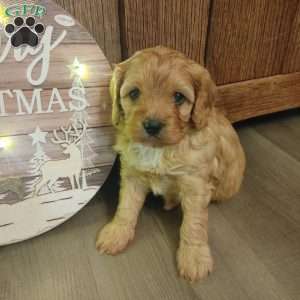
<point x="55" y="124"/>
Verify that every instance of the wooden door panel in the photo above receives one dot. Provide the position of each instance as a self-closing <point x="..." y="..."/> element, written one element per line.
<point x="178" y="24"/>
<point x="101" y="19"/>
<point x="291" y="61"/>
<point x="248" y="39"/>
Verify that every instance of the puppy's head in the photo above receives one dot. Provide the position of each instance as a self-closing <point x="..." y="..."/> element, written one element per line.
<point x="158" y="95"/>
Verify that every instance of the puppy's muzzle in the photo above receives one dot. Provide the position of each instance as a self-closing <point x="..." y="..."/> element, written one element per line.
<point x="153" y="127"/>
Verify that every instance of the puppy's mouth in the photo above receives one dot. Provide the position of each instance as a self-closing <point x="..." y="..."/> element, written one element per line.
<point x="158" y="141"/>
<point x="152" y="141"/>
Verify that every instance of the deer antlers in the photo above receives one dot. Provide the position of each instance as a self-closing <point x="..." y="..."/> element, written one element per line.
<point x="71" y="131"/>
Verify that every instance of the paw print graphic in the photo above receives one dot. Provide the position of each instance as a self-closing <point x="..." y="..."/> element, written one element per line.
<point x="24" y="32"/>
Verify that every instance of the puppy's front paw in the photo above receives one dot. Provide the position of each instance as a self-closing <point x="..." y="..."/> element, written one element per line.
<point x="194" y="262"/>
<point x="114" y="238"/>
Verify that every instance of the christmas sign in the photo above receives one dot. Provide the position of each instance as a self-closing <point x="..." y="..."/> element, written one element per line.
<point x="55" y="129"/>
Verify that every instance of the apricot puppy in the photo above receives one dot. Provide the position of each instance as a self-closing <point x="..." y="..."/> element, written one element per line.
<point x="172" y="141"/>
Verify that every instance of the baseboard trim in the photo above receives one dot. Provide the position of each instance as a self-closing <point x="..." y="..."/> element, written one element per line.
<point x="247" y="99"/>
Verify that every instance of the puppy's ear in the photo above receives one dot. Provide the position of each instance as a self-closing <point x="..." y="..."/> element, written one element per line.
<point x="205" y="96"/>
<point x="115" y="86"/>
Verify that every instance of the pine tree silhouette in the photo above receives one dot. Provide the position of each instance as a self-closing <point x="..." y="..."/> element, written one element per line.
<point x="81" y="117"/>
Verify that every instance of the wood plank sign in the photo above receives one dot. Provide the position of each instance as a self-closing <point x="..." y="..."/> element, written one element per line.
<point x="55" y="128"/>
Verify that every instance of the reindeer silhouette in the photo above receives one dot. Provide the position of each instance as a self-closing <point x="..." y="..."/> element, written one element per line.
<point x="67" y="168"/>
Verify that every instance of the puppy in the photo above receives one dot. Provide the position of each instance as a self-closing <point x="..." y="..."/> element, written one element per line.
<point x="172" y="141"/>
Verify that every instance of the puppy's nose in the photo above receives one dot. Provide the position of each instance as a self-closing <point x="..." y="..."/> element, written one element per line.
<point x="153" y="127"/>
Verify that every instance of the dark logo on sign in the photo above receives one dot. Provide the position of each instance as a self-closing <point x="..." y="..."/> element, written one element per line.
<point x="25" y="30"/>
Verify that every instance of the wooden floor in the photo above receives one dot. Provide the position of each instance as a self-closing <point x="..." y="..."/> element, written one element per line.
<point x="255" y="239"/>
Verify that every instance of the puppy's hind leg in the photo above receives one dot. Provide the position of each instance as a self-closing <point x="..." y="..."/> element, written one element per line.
<point x="230" y="183"/>
<point x="233" y="163"/>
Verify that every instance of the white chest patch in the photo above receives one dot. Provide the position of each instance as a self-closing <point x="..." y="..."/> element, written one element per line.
<point x="144" y="158"/>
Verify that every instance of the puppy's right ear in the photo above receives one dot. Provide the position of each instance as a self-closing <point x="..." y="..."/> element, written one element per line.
<point x="115" y="86"/>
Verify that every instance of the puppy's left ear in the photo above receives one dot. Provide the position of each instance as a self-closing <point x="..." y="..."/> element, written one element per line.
<point x="205" y="96"/>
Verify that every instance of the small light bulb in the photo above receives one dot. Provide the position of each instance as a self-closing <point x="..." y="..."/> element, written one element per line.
<point x="82" y="71"/>
<point x="5" y="143"/>
<point x="3" y="17"/>
<point x="78" y="70"/>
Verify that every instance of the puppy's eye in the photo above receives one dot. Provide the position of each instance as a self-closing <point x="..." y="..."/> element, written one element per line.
<point x="179" y="98"/>
<point x="134" y="94"/>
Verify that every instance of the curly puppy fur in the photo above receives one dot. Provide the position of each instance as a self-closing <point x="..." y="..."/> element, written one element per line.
<point x="196" y="157"/>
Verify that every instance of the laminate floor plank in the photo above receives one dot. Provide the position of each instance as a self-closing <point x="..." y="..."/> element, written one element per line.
<point x="283" y="130"/>
<point x="53" y="266"/>
<point x="278" y="172"/>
